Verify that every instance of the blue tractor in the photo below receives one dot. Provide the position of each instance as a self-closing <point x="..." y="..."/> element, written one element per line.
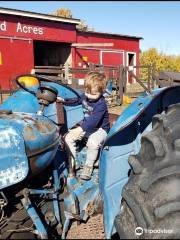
<point x="135" y="183"/>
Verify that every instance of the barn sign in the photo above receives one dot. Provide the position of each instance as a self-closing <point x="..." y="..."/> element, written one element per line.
<point x="22" y="28"/>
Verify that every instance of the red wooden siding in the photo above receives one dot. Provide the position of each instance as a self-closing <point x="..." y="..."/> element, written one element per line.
<point x="16" y="59"/>
<point x="128" y="44"/>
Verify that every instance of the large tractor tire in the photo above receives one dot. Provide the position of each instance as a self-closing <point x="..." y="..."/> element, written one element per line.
<point x="150" y="207"/>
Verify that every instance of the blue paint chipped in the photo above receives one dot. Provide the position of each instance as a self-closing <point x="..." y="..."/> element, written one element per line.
<point x="15" y="168"/>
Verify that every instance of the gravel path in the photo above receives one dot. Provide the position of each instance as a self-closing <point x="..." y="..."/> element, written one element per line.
<point x="92" y="229"/>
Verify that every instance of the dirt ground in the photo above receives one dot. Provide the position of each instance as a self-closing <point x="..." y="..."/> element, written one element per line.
<point x="93" y="229"/>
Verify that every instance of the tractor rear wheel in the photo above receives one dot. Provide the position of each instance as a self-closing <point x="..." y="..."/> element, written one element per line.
<point x="150" y="205"/>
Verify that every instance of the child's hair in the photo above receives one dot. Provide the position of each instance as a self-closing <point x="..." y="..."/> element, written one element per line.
<point x="95" y="80"/>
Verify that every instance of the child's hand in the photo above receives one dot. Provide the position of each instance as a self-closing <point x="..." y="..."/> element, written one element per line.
<point x="76" y="132"/>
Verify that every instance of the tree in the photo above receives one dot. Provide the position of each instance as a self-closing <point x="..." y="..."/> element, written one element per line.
<point x="62" y="12"/>
<point x="162" y="61"/>
<point x="83" y="26"/>
<point x="67" y="13"/>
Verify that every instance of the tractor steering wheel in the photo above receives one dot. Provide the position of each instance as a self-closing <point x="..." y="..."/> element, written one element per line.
<point x="42" y="79"/>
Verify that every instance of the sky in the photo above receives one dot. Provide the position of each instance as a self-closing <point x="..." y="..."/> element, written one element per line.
<point x="158" y="22"/>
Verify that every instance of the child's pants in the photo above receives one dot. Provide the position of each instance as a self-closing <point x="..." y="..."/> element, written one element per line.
<point x="95" y="141"/>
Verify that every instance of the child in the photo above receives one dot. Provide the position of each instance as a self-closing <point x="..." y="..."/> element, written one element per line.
<point x="95" y="125"/>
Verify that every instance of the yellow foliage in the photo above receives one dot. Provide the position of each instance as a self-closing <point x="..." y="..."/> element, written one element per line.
<point x="63" y="12"/>
<point x="162" y="61"/>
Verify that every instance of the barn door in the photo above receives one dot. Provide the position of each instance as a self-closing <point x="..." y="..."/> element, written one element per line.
<point x="131" y="62"/>
<point x="114" y="58"/>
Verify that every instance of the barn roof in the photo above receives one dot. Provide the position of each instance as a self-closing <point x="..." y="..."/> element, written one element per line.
<point x="168" y="74"/>
<point x="111" y="34"/>
<point x="21" y="13"/>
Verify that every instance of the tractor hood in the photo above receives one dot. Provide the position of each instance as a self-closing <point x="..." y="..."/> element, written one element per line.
<point x="13" y="159"/>
<point x="23" y="138"/>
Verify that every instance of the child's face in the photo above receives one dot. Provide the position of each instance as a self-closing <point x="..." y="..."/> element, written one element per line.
<point x="93" y="95"/>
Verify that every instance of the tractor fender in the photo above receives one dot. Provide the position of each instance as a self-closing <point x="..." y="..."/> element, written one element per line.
<point x="123" y="140"/>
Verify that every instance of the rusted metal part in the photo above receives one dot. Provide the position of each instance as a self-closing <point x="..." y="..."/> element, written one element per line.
<point x="98" y="205"/>
<point x="26" y="118"/>
<point x="42" y="150"/>
<point x="94" y="206"/>
<point x="28" y="133"/>
<point x="112" y="118"/>
<point x="43" y="127"/>
<point x="33" y="156"/>
<point x="90" y="209"/>
<point x="6" y="112"/>
<point x="60" y="112"/>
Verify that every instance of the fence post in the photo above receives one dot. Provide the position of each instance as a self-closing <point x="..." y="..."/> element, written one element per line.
<point x="124" y="79"/>
<point x="66" y="72"/>
<point x="154" y="78"/>
<point x="91" y="66"/>
<point x="120" y="83"/>
<point x="102" y="69"/>
<point x="110" y="73"/>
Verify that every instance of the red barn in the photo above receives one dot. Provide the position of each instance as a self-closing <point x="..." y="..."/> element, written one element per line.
<point x="31" y="39"/>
